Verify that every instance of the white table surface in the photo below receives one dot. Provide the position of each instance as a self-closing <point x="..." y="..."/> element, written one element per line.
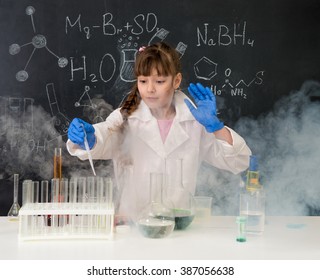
<point x="285" y="238"/>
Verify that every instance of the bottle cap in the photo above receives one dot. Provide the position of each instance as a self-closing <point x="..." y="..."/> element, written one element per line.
<point x="253" y="163"/>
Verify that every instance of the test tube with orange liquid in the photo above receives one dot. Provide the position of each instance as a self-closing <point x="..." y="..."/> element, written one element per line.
<point x="57" y="164"/>
<point x="57" y="174"/>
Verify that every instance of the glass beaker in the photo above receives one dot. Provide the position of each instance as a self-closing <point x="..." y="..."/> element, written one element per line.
<point x="157" y="219"/>
<point x="183" y="201"/>
<point x="127" y="68"/>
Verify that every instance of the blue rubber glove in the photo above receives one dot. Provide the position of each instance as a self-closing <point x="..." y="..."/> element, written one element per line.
<point x="206" y="111"/>
<point x="76" y="133"/>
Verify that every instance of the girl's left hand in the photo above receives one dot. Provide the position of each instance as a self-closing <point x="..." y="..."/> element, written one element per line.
<point x="206" y="111"/>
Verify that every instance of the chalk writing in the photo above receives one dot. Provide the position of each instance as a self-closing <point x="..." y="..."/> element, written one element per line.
<point x="237" y="89"/>
<point x="86" y="92"/>
<point x="61" y="121"/>
<point x="141" y="23"/>
<point x="38" y="41"/>
<point x="223" y="35"/>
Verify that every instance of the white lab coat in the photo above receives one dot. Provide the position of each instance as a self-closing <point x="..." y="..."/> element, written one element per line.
<point x="139" y="150"/>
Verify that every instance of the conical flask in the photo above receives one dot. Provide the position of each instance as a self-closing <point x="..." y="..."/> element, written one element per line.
<point x="182" y="199"/>
<point x="13" y="213"/>
<point x="156" y="220"/>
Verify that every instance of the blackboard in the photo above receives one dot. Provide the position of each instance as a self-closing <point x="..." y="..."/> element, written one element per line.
<point x="66" y="59"/>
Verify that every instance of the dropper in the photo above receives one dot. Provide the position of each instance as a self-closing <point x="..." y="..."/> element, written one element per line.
<point x="86" y="145"/>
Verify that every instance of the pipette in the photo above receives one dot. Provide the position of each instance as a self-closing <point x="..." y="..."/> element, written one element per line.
<point x="86" y="145"/>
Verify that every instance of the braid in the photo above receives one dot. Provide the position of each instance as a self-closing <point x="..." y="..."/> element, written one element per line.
<point x="131" y="103"/>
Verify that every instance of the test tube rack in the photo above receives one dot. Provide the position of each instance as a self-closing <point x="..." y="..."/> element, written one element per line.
<point x="38" y="221"/>
<point x="78" y="208"/>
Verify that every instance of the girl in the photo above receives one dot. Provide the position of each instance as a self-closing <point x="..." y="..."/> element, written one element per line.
<point x="156" y="125"/>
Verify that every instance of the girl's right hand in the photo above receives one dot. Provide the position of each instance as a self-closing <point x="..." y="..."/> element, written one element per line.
<point x="77" y="135"/>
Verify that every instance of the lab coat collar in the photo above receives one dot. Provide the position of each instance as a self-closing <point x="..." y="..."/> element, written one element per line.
<point x="182" y="112"/>
<point x="150" y="134"/>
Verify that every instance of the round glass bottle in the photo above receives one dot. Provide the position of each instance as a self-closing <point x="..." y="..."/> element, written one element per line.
<point x="156" y="220"/>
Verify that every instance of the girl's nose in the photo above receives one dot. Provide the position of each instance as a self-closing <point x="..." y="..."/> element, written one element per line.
<point x="151" y="87"/>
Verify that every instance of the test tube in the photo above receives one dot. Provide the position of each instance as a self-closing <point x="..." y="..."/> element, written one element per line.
<point x="100" y="190"/>
<point x="63" y="198"/>
<point x="91" y="185"/>
<point x="92" y="188"/>
<point x="107" y="198"/>
<point x="27" y="196"/>
<point x="64" y="190"/>
<point x="44" y="198"/>
<point x="73" y="190"/>
<point x="73" y="201"/>
<point x="35" y="185"/>
<point x="82" y="188"/>
<point x="55" y="182"/>
<point x="57" y="163"/>
<point x="108" y="191"/>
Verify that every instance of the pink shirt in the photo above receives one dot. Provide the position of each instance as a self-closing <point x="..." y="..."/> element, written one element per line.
<point x="164" y="127"/>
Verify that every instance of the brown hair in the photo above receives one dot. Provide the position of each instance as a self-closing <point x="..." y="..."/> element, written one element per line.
<point x="159" y="56"/>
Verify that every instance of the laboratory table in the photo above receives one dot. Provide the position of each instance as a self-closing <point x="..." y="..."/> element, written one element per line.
<point x="284" y="238"/>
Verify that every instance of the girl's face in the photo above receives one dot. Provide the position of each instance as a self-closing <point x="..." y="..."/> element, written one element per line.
<point x="157" y="91"/>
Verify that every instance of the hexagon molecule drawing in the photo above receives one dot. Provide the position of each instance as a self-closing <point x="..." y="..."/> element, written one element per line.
<point x="38" y="41"/>
<point x="205" y="68"/>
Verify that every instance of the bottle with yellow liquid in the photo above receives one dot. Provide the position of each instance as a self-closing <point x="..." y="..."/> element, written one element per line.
<point x="252" y="200"/>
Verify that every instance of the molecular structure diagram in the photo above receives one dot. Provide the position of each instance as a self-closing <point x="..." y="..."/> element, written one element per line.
<point x="86" y="92"/>
<point x="38" y="41"/>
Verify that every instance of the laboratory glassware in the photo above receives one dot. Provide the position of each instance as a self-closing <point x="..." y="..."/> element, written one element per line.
<point x="35" y="185"/>
<point x="252" y="200"/>
<point x="14" y="209"/>
<point x="76" y="207"/>
<point x="27" y="192"/>
<point x="241" y="222"/>
<point x="44" y="198"/>
<point x="57" y="163"/>
<point x="55" y="187"/>
<point x="182" y="199"/>
<point x="156" y="220"/>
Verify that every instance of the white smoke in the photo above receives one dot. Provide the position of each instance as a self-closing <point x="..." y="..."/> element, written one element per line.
<point x="286" y="141"/>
